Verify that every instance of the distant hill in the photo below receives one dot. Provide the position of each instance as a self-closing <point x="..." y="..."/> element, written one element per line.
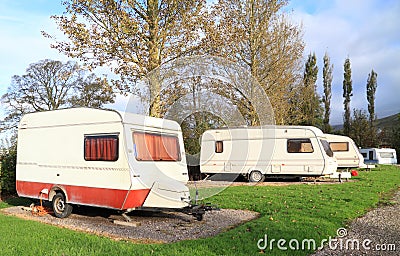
<point x="337" y="127"/>
<point x="386" y="122"/>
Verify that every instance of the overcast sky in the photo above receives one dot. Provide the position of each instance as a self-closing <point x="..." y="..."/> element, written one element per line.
<point x="366" y="31"/>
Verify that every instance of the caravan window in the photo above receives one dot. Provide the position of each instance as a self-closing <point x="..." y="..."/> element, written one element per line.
<point x="299" y="146"/>
<point x="386" y="154"/>
<point x="156" y="147"/>
<point x="339" y="146"/>
<point x="327" y="148"/>
<point x="219" y="146"/>
<point x="101" y="147"/>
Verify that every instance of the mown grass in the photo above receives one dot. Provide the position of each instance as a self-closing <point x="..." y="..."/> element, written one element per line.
<point x="289" y="212"/>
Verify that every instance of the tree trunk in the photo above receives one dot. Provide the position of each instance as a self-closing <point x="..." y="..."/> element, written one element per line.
<point x="154" y="57"/>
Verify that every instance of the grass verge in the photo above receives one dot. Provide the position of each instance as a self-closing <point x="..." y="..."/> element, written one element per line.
<point x="288" y="212"/>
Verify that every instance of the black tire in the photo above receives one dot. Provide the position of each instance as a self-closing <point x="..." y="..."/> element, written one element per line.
<point x="60" y="207"/>
<point x="256" y="176"/>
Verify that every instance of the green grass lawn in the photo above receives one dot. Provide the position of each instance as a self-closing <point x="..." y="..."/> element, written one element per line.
<point x="288" y="212"/>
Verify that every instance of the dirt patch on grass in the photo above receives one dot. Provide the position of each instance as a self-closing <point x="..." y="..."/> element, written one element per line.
<point x="154" y="227"/>
<point x="273" y="183"/>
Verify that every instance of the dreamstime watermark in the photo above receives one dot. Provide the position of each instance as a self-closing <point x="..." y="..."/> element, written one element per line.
<point x="338" y="243"/>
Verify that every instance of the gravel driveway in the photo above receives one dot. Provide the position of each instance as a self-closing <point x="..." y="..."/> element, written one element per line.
<point x="155" y="227"/>
<point x="376" y="233"/>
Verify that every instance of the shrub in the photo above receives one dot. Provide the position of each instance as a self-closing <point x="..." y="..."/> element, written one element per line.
<point x="7" y="171"/>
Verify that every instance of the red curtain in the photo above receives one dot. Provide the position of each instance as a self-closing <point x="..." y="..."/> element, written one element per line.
<point x="169" y="149"/>
<point x="142" y="151"/>
<point x="101" y="148"/>
<point x="156" y="147"/>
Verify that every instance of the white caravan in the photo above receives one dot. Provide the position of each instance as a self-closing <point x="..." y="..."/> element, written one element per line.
<point x="256" y="152"/>
<point x="345" y="151"/>
<point x="379" y="155"/>
<point x="101" y="158"/>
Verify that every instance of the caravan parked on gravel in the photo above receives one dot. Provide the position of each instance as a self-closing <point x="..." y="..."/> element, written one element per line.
<point x="266" y="151"/>
<point x="345" y="151"/>
<point x="102" y="158"/>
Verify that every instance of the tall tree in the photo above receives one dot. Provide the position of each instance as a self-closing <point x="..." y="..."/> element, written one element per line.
<point x="49" y="85"/>
<point x="395" y="138"/>
<point x="371" y="90"/>
<point x="258" y="35"/>
<point x="359" y="128"/>
<point x="91" y="92"/>
<point x="311" y="107"/>
<point x="347" y="94"/>
<point x="327" y="82"/>
<point x="133" y="37"/>
<point x="373" y="140"/>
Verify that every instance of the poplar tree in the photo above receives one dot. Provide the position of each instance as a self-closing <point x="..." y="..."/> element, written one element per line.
<point x="327" y="82"/>
<point x="311" y="103"/>
<point x="371" y="90"/>
<point x="347" y="94"/>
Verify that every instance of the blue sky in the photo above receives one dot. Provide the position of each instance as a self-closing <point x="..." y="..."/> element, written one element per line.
<point x="366" y="31"/>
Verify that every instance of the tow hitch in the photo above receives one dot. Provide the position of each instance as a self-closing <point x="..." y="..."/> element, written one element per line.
<point x="198" y="211"/>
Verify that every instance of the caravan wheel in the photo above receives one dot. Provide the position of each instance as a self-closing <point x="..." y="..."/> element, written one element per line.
<point x="60" y="207"/>
<point x="256" y="176"/>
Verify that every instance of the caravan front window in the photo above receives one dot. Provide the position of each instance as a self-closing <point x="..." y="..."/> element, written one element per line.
<point x="101" y="147"/>
<point x="299" y="146"/>
<point x="327" y="148"/>
<point x="156" y="147"/>
<point x="339" y="146"/>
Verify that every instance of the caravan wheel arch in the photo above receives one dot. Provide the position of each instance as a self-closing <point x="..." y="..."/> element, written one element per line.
<point x="57" y="189"/>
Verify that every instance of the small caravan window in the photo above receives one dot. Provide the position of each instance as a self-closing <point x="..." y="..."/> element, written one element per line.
<point x="364" y="155"/>
<point x="101" y="147"/>
<point x="299" y="146"/>
<point x="339" y="146"/>
<point x="219" y="146"/>
<point x="386" y="154"/>
<point x="156" y="147"/>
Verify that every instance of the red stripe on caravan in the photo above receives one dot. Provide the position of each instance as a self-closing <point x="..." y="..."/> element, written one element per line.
<point x="135" y="198"/>
<point x="31" y="189"/>
<point x="102" y="197"/>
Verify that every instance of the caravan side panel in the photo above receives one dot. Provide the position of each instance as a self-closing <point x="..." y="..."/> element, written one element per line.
<point x="53" y="156"/>
<point x="275" y="150"/>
